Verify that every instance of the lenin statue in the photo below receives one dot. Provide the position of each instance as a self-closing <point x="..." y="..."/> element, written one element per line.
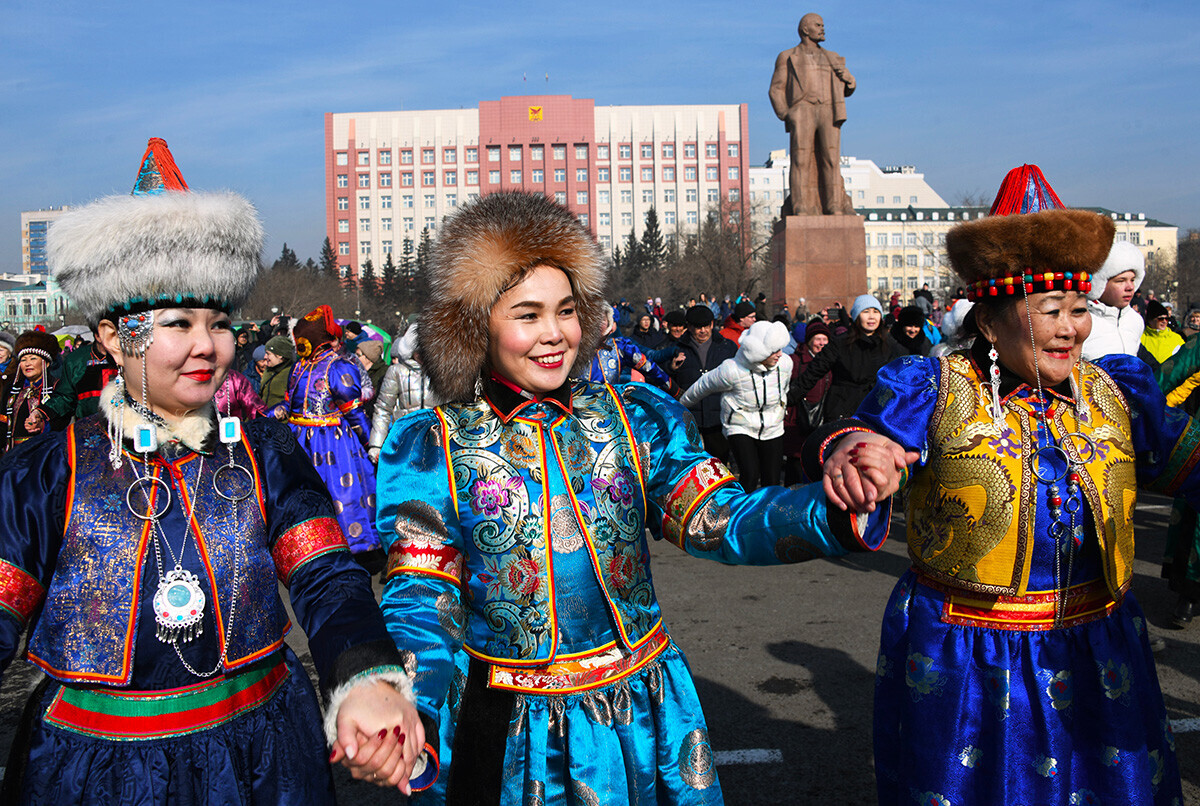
<point x="808" y="93"/>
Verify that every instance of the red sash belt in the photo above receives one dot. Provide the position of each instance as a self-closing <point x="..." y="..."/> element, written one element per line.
<point x="137" y="715"/>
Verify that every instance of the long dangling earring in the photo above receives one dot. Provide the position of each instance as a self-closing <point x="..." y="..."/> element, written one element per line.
<point x="994" y="376"/>
<point x="116" y="421"/>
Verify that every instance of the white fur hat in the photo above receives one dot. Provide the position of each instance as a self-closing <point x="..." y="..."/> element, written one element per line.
<point x="163" y="245"/>
<point x="762" y="339"/>
<point x="1121" y="258"/>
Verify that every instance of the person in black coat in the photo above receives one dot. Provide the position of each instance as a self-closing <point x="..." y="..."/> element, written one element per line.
<point x="909" y="331"/>
<point x="853" y="359"/>
<point x="704" y="350"/>
<point x="645" y="334"/>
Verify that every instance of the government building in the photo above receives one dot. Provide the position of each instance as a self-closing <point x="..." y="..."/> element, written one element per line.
<point x="390" y="175"/>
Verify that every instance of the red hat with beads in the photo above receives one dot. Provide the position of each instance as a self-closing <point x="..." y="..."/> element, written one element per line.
<point x="1030" y="243"/>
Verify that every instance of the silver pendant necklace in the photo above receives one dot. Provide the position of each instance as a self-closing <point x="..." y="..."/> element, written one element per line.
<point x="178" y="601"/>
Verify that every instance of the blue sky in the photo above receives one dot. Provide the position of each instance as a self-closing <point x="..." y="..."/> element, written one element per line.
<point x="1102" y="95"/>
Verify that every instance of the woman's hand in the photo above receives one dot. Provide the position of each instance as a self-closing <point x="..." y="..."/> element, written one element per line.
<point x="35" y="421"/>
<point x="379" y="735"/>
<point x="865" y="468"/>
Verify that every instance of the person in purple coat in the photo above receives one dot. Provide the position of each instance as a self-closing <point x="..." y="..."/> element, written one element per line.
<point x="325" y="412"/>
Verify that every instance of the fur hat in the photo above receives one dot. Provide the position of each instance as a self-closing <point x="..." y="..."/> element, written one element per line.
<point x="482" y="251"/>
<point x="912" y="316"/>
<point x="8" y="339"/>
<point x="1123" y="257"/>
<point x="698" y="316"/>
<point x="675" y="317"/>
<point x="1043" y="251"/>
<point x="162" y="245"/>
<point x="762" y="339"/>
<point x="38" y="343"/>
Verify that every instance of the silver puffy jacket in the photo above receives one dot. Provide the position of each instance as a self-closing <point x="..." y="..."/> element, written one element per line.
<point x="404" y="388"/>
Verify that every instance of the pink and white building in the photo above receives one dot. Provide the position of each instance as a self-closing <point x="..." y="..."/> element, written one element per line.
<point x="390" y="175"/>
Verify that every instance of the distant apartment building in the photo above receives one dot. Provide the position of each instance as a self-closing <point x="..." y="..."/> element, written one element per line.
<point x="906" y="222"/>
<point x="34" y="224"/>
<point x="390" y="175"/>
<point x="27" y="300"/>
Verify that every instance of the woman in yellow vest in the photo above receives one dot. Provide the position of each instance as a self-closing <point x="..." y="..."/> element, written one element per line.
<point x="1014" y="664"/>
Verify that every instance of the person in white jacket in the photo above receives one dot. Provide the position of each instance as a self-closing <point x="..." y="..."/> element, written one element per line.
<point x="754" y="388"/>
<point x="404" y="388"/>
<point x="1116" y="327"/>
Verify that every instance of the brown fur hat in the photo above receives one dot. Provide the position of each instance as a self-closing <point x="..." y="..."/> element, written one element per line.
<point x="487" y="247"/>
<point x="37" y="342"/>
<point x="1048" y="241"/>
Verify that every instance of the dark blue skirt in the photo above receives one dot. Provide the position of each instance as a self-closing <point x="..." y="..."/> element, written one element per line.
<point x="273" y="754"/>
<point x="977" y="715"/>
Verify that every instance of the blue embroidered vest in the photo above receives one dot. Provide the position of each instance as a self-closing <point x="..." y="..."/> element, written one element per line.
<point x="88" y="628"/>
<point x="514" y="484"/>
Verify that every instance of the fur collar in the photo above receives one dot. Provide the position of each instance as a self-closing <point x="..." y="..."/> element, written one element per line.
<point x="196" y="431"/>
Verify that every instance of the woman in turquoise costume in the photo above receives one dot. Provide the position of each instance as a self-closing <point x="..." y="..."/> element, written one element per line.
<point x="1014" y="665"/>
<point x="518" y="576"/>
<point x="142" y="548"/>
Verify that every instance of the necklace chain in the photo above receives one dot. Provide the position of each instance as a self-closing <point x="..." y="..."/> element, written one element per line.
<point x="178" y="559"/>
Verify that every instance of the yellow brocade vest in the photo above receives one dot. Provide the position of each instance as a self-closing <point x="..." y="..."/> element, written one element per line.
<point x="971" y="509"/>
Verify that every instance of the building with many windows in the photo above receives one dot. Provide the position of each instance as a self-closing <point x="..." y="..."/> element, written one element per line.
<point x="390" y="175"/>
<point x="34" y="224"/>
<point x="27" y="300"/>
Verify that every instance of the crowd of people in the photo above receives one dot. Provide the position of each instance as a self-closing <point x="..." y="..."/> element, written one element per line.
<point x="499" y="466"/>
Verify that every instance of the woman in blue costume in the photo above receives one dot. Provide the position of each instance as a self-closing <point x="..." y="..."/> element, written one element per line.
<point x="1014" y="664"/>
<point x="142" y="549"/>
<point x="518" y="573"/>
<point x="325" y="411"/>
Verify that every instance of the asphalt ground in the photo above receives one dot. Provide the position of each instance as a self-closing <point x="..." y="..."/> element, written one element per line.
<point x="784" y="661"/>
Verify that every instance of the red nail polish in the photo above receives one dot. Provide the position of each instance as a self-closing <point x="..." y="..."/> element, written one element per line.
<point x="383" y="733"/>
<point x="853" y="452"/>
<point x="854" y="460"/>
<point x="861" y="445"/>
<point x="399" y="734"/>
<point x="332" y="753"/>
<point x="400" y="738"/>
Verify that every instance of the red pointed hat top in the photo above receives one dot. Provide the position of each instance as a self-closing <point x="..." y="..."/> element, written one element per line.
<point x="1025" y="190"/>
<point x="158" y="172"/>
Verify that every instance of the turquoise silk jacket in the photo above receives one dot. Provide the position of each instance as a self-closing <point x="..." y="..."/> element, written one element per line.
<point x="518" y="527"/>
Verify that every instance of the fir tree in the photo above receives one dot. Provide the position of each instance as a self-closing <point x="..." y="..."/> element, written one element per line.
<point x="423" y="251"/>
<point x="389" y="286"/>
<point x="367" y="281"/>
<point x="287" y="260"/>
<point x="328" y="259"/>
<point x="653" y="249"/>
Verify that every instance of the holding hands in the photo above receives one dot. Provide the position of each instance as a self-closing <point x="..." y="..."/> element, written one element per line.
<point x="380" y="737"/>
<point x="866" y="468"/>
